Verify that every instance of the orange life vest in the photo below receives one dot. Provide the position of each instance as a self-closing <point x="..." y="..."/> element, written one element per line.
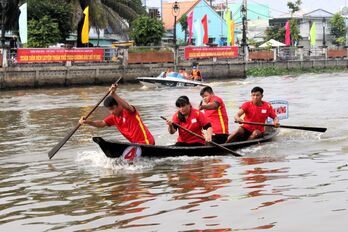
<point x="196" y="74"/>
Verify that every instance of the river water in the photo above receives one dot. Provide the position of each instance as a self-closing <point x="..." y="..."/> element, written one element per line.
<point x="299" y="182"/>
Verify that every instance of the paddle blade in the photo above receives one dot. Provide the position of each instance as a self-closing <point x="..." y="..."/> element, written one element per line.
<point x="315" y="129"/>
<point x="56" y="148"/>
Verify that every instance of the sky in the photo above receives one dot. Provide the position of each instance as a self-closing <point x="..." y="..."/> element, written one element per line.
<point x="279" y="7"/>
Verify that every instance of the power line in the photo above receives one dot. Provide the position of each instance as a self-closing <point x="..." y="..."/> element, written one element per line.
<point x="266" y="16"/>
<point x="269" y="7"/>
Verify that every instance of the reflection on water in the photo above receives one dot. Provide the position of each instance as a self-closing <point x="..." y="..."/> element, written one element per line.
<point x="301" y="177"/>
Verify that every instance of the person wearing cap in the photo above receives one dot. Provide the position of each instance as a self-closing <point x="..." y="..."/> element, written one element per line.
<point x="124" y="117"/>
<point x="255" y="110"/>
<point x="191" y="119"/>
<point x="196" y="74"/>
<point x="215" y="110"/>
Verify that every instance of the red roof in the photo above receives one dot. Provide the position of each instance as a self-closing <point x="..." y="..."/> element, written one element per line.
<point x="168" y="17"/>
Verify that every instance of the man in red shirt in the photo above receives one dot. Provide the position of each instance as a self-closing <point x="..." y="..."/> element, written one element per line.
<point x="125" y="118"/>
<point x="255" y="110"/>
<point x="191" y="119"/>
<point x="215" y="110"/>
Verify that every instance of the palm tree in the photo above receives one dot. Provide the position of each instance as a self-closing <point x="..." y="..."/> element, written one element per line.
<point x="11" y="15"/>
<point x="117" y="14"/>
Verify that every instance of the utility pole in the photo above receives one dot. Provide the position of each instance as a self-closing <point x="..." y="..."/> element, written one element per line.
<point x="244" y="10"/>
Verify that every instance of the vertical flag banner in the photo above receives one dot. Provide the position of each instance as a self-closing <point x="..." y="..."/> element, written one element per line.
<point x="85" y="27"/>
<point x="23" y="23"/>
<point x="227" y="18"/>
<point x="287" y="33"/>
<point x="198" y="33"/>
<point x="232" y="32"/>
<point x="205" y="29"/>
<point x="189" y="23"/>
<point x="313" y="34"/>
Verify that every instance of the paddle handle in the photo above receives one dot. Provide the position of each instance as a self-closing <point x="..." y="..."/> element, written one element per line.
<point x="56" y="148"/>
<point x="315" y="129"/>
<point x="101" y="100"/>
<point x="201" y="137"/>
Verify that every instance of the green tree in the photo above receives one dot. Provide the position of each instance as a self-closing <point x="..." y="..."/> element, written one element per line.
<point x="338" y="29"/>
<point x="276" y="33"/>
<point x="184" y="25"/>
<point x="42" y="32"/>
<point x="116" y="14"/>
<point x="60" y="12"/>
<point x="294" y="6"/>
<point x="11" y="16"/>
<point x="294" y="30"/>
<point x="147" y="31"/>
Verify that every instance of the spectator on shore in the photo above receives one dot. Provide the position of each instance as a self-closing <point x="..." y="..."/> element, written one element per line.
<point x="13" y="42"/>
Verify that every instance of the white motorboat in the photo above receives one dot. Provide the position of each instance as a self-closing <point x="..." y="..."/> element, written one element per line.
<point x="173" y="79"/>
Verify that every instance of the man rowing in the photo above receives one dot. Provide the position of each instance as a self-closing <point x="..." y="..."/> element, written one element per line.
<point x="125" y="118"/>
<point x="255" y="110"/>
<point x="191" y="119"/>
<point x="215" y="110"/>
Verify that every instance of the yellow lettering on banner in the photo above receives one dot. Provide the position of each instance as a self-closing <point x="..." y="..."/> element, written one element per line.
<point x="206" y="52"/>
<point x="43" y="55"/>
<point x="55" y="57"/>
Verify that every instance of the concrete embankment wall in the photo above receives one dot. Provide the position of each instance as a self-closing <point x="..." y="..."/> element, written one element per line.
<point x="92" y="74"/>
<point x="45" y="75"/>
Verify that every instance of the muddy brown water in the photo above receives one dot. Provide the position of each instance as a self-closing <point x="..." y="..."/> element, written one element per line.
<point x="299" y="182"/>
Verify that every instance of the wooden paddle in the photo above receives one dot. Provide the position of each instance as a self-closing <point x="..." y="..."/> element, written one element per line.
<point x="316" y="129"/>
<point x="201" y="137"/>
<point x="56" y="148"/>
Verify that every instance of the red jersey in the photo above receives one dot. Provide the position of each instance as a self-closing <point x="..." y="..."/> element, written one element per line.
<point x="131" y="127"/>
<point x="254" y="113"/>
<point x="218" y="117"/>
<point x="195" y="123"/>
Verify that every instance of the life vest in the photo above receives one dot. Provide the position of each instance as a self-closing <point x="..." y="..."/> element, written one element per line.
<point x="196" y="75"/>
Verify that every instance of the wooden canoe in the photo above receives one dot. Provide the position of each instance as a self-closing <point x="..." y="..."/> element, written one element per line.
<point x="116" y="149"/>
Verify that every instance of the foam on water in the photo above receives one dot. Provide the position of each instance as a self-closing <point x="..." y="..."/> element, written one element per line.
<point x="97" y="160"/>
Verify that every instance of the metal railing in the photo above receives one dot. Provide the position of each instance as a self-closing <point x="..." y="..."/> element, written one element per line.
<point x="119" y="55"/>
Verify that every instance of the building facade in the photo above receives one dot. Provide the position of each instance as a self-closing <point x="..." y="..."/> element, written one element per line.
<point x="258" y="16"/>
<point x="305" y="21"/>
<point x="217" y="28"/>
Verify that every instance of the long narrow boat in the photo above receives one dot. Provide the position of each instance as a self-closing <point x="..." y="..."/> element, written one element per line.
<point x="117" y="149"/>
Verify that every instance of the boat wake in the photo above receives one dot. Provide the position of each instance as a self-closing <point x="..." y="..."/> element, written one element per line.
<point x="96" y="161"/>
<point x="91" y="160"/>
<point x="299" y="135"/>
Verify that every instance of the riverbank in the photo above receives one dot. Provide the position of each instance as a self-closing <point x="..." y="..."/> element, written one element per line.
<point x="273" y="71"/>
<point x="49" y="75"/>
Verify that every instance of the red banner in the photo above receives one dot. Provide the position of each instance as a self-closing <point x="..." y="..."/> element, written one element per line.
<point x="35" y="55"/>
<point x="210" y="52"/>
